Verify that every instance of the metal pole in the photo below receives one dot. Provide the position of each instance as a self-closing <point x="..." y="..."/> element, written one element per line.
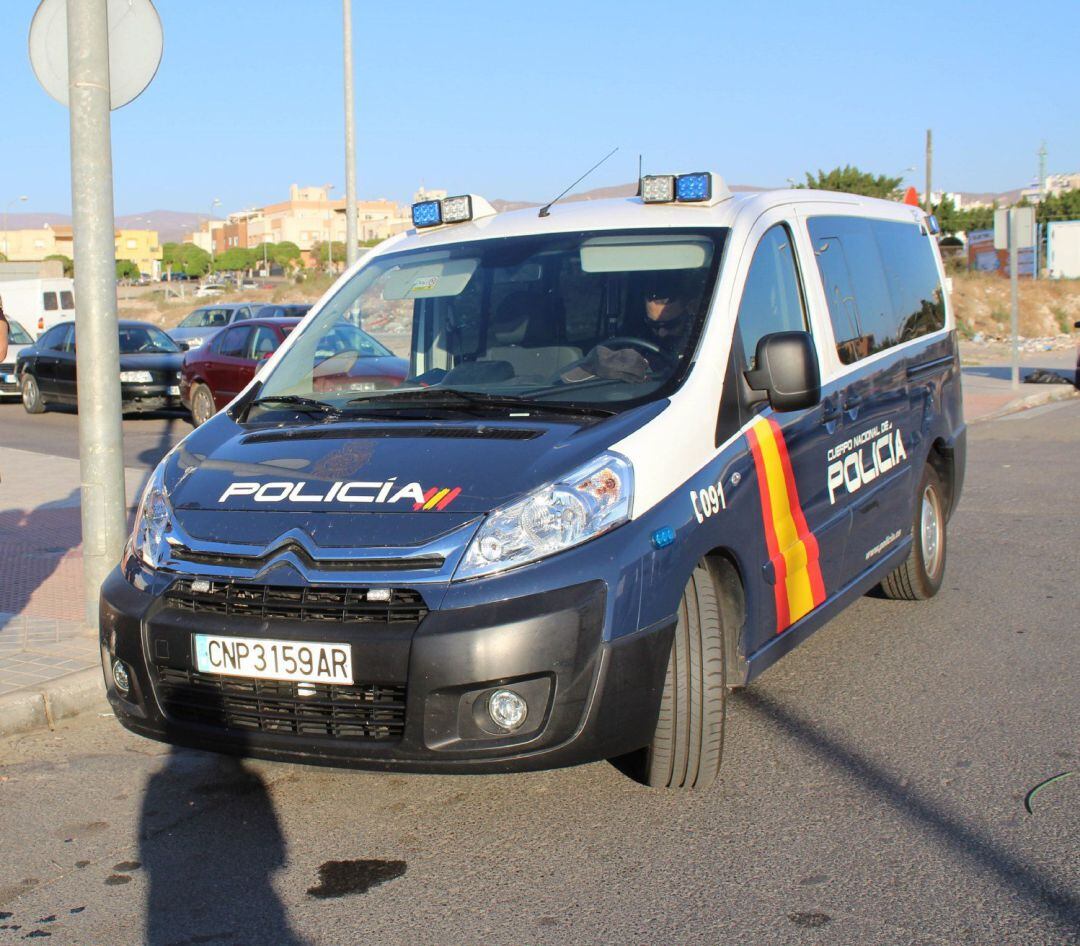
<point x="1014" y="257"/>
<point x="101" y="445"/>
<point x="351" y="250"/>
<point x="929" y="167"/>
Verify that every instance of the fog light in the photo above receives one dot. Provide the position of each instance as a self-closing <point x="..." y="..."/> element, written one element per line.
<point x="121" y="678"/>
<point x="507" y="709"/>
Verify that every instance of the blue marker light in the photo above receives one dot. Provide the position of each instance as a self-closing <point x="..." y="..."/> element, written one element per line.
<point x="932" y="224"/>
<point x="428" y="213"/>
<point x="663" y="537"/>
<point x="693" y="187"/>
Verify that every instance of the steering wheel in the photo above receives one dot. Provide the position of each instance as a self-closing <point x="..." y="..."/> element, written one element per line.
<point x="634" y="343"/>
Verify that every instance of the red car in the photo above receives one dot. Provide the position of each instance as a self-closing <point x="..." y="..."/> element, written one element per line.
<point x="215" y="373"/>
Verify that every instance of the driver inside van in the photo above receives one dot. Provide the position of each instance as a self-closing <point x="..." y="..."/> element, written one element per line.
<point x="667" y="326"/>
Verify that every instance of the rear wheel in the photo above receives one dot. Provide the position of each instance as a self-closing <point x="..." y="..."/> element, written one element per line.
<point x="202" y="405"/>
<point x="686" y="748"/>
<point x="921" y="574"/>
<point x="31" y="395"/>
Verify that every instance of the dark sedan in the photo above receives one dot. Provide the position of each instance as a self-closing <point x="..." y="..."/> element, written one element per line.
<point x="347" y="357"/>
<point x="149" y="369"/>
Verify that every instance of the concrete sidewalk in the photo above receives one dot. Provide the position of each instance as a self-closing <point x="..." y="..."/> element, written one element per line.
<point x="49" y="663"/>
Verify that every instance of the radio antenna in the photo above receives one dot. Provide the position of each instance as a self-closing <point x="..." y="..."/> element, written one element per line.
<point x="546" y="209"/>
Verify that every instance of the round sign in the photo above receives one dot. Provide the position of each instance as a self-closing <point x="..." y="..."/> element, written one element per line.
<point x="135" y="44"/>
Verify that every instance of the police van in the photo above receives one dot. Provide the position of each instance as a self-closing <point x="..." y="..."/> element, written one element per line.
<point x="642" y="448"/>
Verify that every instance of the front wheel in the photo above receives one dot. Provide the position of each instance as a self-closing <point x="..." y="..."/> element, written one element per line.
<point x="921" y="574"/>
<point x="31" y="395"/>
<point x="202" y="405"/>
<point x="686" y="748"/>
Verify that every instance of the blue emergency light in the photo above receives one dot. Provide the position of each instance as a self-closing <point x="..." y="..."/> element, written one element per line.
<point x="433" y="213"/>
<point x="932" y="224"/>
<point x="683" y="188"/>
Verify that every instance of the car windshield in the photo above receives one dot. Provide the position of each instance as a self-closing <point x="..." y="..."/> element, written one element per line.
<point x="143" y="339"/>
<point x="590" y="320"/>
<point x="17" y="335"/>
<point x="206" y="318"/>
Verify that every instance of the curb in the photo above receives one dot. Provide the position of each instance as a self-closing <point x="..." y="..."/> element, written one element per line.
<point x="1057" y="392"/>
<point x="66" y="696"/>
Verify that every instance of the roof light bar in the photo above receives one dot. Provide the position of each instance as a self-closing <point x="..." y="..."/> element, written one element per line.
<point x="700" y="187"/>
<point x="457" y="209"/>
<point x="427" y="213"/>
<point x="436" y="213"/>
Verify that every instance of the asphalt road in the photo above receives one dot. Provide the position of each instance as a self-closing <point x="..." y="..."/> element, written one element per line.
<point x="147" y="437"/>
<point x="872" y="792"/>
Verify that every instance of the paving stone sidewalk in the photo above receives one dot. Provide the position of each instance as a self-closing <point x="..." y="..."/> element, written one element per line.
<point x="43" y="640"/>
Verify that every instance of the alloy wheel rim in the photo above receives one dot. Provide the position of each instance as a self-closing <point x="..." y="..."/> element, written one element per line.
<point x="29" y="392"/>
<point x="930" y="529"/>
<point x="202" y="407"/>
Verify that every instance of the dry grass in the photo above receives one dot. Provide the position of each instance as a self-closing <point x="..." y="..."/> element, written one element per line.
<point x="1047" y="306"/>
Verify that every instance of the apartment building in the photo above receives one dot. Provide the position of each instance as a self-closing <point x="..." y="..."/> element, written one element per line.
<point x="142" y="247"/>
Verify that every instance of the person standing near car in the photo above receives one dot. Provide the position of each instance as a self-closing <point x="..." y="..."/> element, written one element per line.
<point x="3" y="332"/>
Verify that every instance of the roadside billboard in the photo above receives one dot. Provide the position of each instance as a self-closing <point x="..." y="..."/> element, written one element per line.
<point x="984" y="258"/>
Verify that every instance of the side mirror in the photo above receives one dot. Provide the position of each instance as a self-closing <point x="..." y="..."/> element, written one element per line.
<point x="787" y="372"/>
<point x="183" y="346"/>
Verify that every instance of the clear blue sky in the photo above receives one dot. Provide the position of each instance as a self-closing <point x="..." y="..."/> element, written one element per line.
<point x="515" y="100"/>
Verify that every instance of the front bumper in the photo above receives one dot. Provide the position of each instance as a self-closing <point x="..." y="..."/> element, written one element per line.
<point x="424" y="691"/>
<point x="151" y="397"/>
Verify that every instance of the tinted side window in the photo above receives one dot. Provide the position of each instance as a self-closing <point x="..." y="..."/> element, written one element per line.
<point x="772" y="300"/>
<point x="68" y="343"/>
<point x="264" y="343"/>
<point x="242" y="314"/>
<point x="67" y="300"/>
<point x="913" y="279"/>
<point x="48" y="300"/>
<point x="234" y="342"/>
<point x="880" y="281"/>
<point x="53" y="339"/>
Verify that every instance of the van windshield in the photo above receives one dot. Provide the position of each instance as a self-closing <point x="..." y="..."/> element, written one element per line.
<point x="602" y="320"/>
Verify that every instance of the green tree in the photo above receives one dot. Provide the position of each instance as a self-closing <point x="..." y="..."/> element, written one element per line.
<point x="851" y="180"/>
<point x="67" y="261"/>
<point x="1065" y="206"/>
<point x="126" y="269"/>
<point x="286" y="254"/>
<point x="235" y="259"/>
<point x="322" y="252"/>
<point x="185" y="258"/>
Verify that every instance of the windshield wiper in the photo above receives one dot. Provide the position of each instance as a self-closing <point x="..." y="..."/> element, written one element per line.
<point x="306" y="404"/>
<point x="443" y="396"/>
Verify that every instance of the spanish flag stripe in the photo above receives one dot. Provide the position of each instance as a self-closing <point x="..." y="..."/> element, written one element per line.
<point x="434" y="499"/>
<point x="449" y="498"/>
<point x="431" y="492"/>
<point x="772" y="546"/>
<point x="813" y="556"/>
<point x="793" y="549"/>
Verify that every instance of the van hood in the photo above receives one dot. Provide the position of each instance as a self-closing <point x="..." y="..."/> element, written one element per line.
<point x="409" y="482"/>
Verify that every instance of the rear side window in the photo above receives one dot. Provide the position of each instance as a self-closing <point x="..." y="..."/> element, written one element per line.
<point x="53" y="339"/>
<point x="235" y="341"/>
<point x="772" y="300"/>
<point x="67" y="300"/>
<point x="264" y="342"/>
<point x="880" y="281"/>
<point x="48" y="299"/>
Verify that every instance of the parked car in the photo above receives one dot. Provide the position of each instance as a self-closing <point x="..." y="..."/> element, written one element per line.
<point x="149" y="368"/>
<point x="204" y="323"/>
<point x="347" y="358"/>
<point x="18" y="339"/>
<point x="211" y="289"/>
<point x="288" y="310"/>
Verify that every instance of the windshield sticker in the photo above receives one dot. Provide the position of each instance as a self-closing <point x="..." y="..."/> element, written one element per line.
<point x="379" y="493"/>
<point x="861" y="459"/>
<point x="424" y="284"/>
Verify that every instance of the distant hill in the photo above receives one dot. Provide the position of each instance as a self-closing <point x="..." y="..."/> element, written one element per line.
<point x="171" y="225"/>
<point x="600" y="193"/>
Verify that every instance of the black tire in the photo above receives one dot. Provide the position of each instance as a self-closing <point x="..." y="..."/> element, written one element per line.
<point x="688" y="743"/>
<point x="31" y="395"/>
<point x="202" y="404"/>
<point x="921" y="574"/>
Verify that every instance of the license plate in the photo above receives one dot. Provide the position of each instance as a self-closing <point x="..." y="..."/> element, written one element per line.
<point x="174" y="391"/>
<point x="302" y="662"/>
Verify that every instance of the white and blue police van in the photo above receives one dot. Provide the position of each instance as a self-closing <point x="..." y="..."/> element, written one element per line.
<point x="642" y="448"/>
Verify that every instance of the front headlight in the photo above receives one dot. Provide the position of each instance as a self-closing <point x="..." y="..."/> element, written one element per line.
<point x="136" y="377"/>
<point x="590" y="501"/>
<point x="193" y="343"/>
<point x="153" y="522"/>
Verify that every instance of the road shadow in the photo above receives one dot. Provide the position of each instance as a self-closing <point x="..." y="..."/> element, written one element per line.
<point x="210" y="843"/>
<point x="152" y="456"/>
<point x="1046" y="894"/>
<point x="34" y="542"/>
<point x="1004" y="372"/>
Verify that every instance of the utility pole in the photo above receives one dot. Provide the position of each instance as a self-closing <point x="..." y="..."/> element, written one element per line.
<point x="351" y="250"/>
<point x="101" y="444"/>
<point x="210" y="228"/>
<point x="929" y="168"/>
<point x="1014" y="298"/>
<point x="1042" y="169"/>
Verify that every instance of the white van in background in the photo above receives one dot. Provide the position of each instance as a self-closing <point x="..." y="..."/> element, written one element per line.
<point x="38" y="304"/>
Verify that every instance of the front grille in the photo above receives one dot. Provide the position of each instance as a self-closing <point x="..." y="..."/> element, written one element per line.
<point x="362" y="711"/>
<point x="415" y="563"/>
<point x="299" y="603"/>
